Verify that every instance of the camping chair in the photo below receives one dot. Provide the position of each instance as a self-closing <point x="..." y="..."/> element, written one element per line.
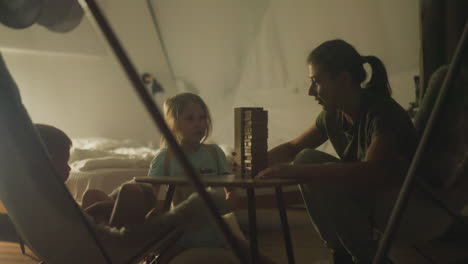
<point x="442" y="175"/>
<point x="427" y="165"/>
<point x="43" y="211"/>
<point x="8" y="230"/>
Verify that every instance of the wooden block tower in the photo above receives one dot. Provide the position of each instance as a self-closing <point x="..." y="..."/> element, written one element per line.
<point x="251" y="135"/>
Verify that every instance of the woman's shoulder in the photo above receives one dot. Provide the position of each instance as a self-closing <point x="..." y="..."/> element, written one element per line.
<point x="387" y="114"/>
<point x="379" y="105"/>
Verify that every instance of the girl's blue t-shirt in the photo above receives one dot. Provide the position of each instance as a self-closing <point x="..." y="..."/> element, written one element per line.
<point x="205" y="164"/>
<point x="202" y="160"/>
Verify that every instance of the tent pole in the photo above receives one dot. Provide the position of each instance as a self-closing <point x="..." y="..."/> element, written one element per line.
<point x="159" y="34"/>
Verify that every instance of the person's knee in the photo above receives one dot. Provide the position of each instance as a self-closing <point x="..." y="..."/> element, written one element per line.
<point x="129" y="193"/>
<point x="92" y="196"/>
<point x="94" y="193"/>
<point x="132" y="193"/>
<point x="302" y="157"/>
<point x="312" y="156"/>
<point x="130" y="188"/>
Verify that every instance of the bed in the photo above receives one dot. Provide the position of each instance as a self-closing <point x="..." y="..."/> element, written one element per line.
<point x="104" y="164"/>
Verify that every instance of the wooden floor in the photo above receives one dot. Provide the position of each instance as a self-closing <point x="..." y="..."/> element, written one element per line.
<point x="11" y="253"/>
<point x="308" y="248"/>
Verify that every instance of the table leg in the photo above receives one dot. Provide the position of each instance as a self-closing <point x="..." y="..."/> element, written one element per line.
<point x="252" y="224"/>
<point x="169" y="197"/>
<point x="284" y="224"/>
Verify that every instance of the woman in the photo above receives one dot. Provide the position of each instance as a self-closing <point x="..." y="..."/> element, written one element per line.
<point x="372" y="135"/>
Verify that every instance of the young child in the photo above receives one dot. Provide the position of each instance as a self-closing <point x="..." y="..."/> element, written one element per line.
<point x="125" y="243"/>
<point x="189" y="119"/>
<point x="58" y="145"/>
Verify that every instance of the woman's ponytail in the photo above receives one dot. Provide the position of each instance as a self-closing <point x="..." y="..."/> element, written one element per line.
<point x="379" y="80"/>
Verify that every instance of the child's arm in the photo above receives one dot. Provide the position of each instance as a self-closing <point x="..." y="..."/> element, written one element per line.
<point x="232" y="198"/>
<point x="232" y="194"/>
<point x="159" y="167"/>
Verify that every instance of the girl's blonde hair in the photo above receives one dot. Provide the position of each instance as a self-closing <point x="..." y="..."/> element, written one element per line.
<point x="173" y="108"/>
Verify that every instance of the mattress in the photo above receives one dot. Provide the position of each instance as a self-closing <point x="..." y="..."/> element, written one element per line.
<point x="104" y="164"/>
<point x="106" y="179"/>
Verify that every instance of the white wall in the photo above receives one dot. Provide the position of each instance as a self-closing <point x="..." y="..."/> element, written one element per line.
<point x="233" y="52"/>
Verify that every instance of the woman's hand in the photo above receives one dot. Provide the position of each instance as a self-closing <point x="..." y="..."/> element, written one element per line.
<point x="276" y="171"/>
